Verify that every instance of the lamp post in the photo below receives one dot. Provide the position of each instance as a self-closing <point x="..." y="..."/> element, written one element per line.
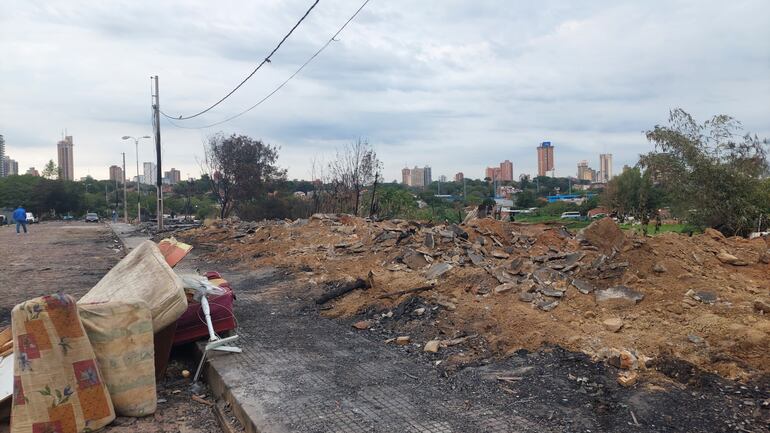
<point x="138" y="189"/>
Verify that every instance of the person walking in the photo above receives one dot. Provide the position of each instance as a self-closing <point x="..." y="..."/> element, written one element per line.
<point x="114" y="216"/>
<point x="20" y="216"/>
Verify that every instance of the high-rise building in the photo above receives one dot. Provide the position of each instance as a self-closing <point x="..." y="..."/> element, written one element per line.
<point x="66" y="164"/>
<point x="116" y="173"/>
<point x="605" y="167"/>
<point x="442" y="178"/>
<point x="585" y="172"/>
<point x="459" y="177"/>
<point x="418" y="177"/>
<point x="406" y="176"/>
<point x="506" y="171"/>
<point x="427" y="177"/>
<point x="33" y="172"/>
<point x="626" y="167"/>
<point x="545" y="159"/>
<point x="2" y="155"/>
<point x="10" y="166"/>
<point x="173" y="176"/>
<point x="489" y="173"/>
<point x="150" y="175"/>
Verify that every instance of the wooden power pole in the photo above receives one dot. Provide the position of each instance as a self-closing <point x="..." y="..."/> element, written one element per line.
<point x="159" y="175"/>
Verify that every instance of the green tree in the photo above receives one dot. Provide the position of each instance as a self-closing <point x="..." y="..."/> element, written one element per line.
<point x="50" y="171"/>
<point x="712" y="171"/>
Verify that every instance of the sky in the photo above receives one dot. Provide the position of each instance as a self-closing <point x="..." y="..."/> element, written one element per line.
<point x="456" y="85"/>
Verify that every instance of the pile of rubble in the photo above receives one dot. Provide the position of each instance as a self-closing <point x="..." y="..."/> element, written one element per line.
<point x="617" y="297"/>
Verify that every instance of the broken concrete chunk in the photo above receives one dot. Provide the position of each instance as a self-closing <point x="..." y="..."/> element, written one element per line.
<point x="437" y="269"/>
<point x="619" y="293"/>
<point x="432" y="346"/>
<point x="549" y="276"/>
<point x="730" y="259"/>
<point x="500" y="254"/>
<point x="502" y="288"/>
<point x="419" y="311"/>
<point x="659" y="268"/>
<point x="347" y="230"/>
<point x="547" y="291"/>
<point x="695" y="339"/>
<point x="547" y="305"/>
<point x="476" y="259"/>
<point x="704" y="296"/>
<point x="526" y="297"/>
<point x="414" y="260"/>
<point x="429" y="241"/>
<point x="459" y="232"/>
<point x="613" y="325"/>
<point x="583" y="286"/>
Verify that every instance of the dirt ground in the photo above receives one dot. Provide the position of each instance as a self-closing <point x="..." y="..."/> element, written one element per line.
<point x="692" y="328"/>
<point x="71" y="257"/>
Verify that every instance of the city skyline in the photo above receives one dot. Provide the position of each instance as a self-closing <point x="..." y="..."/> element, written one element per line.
<point x="432" y="93"/>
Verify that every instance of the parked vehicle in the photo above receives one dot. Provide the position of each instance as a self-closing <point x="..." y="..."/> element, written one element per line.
<point x="92" y="217"/>
<point x="31" y="218"/>
<point x="573" y="215"/>
<point x="67" y="217"/>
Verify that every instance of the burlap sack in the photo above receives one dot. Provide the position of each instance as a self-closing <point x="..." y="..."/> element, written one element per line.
<point x="57" y="386"/>
<point x="121" y="335"/>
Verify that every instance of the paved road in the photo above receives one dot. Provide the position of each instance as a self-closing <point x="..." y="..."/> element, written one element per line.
<point x="68" y="257"/>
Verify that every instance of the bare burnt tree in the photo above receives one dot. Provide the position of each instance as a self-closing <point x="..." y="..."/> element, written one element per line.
<point x="239" y="169"/>
<point x="354" y="167"/>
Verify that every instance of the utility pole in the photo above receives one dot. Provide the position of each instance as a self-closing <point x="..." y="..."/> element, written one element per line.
<point x="106" y="199"/>
<point x="159" y="175"/>
<point x="125" y="194"/>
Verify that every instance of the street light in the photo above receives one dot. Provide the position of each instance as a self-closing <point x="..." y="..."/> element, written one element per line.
<point x="138" y="189"/>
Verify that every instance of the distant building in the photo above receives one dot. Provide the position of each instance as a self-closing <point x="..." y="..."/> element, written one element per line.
<point x="66" y="163"/>
<point x="489" y="172"/>
<point x="10" y="166"/>
<point x="626" y="167"/>
<point x="418" y="177"/>
<point x="2" y="155"/>
<point x="584" y="172"/>
<point x="116" y="173"/>
<point x="442" y="178"/>
<point x="605" y="167"/>
<point x="459" y="177"/>
<point x="506" y="171"/>
<point x="172" y="176"/>
<point x="545" y="159"/>
<point x="33" y="172"/>
<point x="406" y="176"/>
<point x="427" y="177"/>
<point x="150" y="175"/>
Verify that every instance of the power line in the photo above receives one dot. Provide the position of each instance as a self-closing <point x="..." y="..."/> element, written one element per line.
<point x="280" y="86"/>
<point x="265" y="60"/>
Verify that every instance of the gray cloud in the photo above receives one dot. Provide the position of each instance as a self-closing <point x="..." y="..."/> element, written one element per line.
<point x="454" y="84"/>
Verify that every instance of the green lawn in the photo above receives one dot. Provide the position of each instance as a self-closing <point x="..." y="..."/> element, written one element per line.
<point x="572" y="224"/>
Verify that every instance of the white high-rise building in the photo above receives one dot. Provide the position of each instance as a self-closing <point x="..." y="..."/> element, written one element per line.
<point x="605" y="167"/>
<point x="2" y="155"/>
<point x="150" y="173"/>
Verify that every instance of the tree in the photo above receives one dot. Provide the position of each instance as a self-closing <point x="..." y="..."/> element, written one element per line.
<point x="355" y="166"/>
<point x="50" y="171"/>
<point x="712" y="173"/>
<point x="632" y="193"/>
<point x="240" y="169"/>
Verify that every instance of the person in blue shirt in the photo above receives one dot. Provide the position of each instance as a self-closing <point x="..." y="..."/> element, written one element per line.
<point x="20" y="216"/>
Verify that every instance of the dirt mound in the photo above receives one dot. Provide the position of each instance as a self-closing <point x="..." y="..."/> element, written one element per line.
<point x="512" y="286"/>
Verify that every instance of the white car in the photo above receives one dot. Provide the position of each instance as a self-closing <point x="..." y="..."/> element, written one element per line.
<point x="571" y="215"/>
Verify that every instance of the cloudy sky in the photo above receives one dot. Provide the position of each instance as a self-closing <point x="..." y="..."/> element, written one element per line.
<point x="457" y="85"/>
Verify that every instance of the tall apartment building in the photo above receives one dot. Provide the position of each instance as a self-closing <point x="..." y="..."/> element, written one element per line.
<point x="173" y="176"/>
<point x="442" y="179"/>
<point x="605" y="167"/>
<point x="2" y="154"/>
<point x="10" y="166"/>
<point x="418" y="177"/>
<point x="116" y="173"/>
<point x="489" y="173"/>
<point x="585" y="172"/>
<point x="150" y="176"/>
<point x="33" y="171"/>
<point x="406" y="176"/>
<point x="506" y="171"/>
<point x="545" y="159"/>
<point x="459" y="177"/>
<point x="426" y="174"/>
<point x="66" y="164"/>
